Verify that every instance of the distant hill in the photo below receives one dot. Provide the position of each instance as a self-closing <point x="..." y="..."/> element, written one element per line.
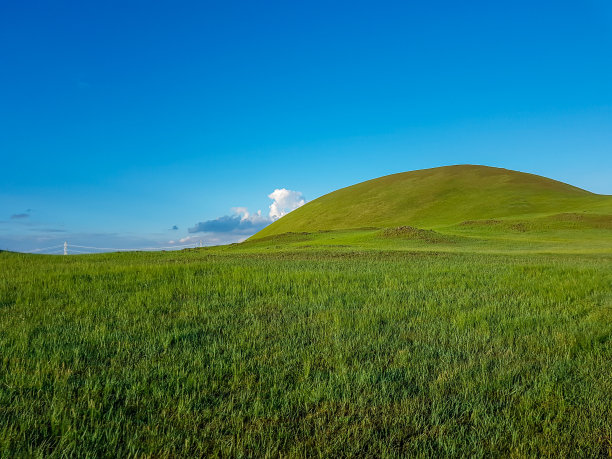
<point x="438" y="197"/>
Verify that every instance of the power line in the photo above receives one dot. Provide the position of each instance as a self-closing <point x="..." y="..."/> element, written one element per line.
<point x="68" y="249"/>
<point x="44" y="249"/>
<point x="139" y="248"/>
<point x="80" y="252"/>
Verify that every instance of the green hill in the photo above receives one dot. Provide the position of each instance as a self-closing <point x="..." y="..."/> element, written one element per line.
<point x="440" y="197"/>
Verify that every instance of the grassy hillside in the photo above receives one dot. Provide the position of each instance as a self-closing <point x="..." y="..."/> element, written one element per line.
<point x="439" y="197"/>
<point x="568" y="233"/>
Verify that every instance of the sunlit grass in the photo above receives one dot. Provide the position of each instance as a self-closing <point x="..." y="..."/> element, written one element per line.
<point x="308" y="352"/>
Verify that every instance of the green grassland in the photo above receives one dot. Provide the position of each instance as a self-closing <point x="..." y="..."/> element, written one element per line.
<point x="482" y="335"/>
<point x="331" y="351"/>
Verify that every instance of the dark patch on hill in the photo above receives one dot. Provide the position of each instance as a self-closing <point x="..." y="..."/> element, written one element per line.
<point x="480" y="222"/>
<point x="410" y="232"/>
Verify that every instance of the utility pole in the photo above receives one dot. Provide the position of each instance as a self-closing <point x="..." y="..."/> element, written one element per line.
<point x="65" y="248"/>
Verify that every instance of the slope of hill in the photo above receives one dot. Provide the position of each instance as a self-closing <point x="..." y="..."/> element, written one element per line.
<point x="440" y="197"/>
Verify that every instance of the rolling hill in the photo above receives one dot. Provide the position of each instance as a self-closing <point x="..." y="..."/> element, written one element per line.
<point x="440" y="197"/>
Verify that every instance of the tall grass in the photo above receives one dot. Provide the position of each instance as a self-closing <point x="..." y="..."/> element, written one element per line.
<point x="331" y="353"/>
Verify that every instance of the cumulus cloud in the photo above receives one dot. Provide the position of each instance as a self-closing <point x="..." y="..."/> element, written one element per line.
<point x="241" y="222"/>
<point x="284" y="202"/>
<point x="174" y="228"/>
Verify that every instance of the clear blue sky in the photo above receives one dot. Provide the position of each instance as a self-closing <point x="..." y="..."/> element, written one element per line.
<point x="120" y="120"/>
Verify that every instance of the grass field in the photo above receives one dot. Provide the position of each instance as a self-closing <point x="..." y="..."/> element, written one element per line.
<point x="485" y="330"/>
<point x="419" y="345"/>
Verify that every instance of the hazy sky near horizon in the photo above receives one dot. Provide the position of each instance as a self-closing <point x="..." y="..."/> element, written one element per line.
<point x="131" y="124"/>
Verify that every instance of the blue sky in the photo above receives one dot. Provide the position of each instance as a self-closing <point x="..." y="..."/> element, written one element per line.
<point x="122" y="120"/>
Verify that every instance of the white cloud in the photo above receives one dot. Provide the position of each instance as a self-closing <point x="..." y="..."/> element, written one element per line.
<point x="245" y="216"/>
<point x="241" y="224"/>
<point x="188" y="240"/>
<point x="284" y="202"/>
<point x="243" y="211"/>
